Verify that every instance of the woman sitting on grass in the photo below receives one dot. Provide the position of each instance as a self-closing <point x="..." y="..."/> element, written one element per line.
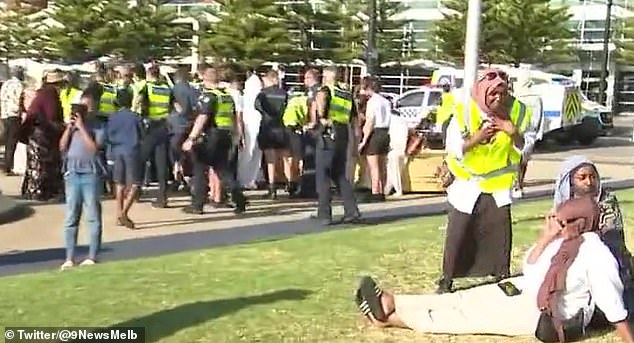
<point x="567" y="274"/>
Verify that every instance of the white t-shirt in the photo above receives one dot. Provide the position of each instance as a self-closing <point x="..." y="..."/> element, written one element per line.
<point x="379" y="110"/>
<point x="592" y="280"/>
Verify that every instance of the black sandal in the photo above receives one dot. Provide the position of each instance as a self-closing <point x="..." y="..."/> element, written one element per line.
<point x="368" y="299"/>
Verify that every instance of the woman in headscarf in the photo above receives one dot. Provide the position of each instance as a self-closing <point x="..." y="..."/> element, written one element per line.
<point x="42" y="129"/>
<point x="579" y="177"/>
<point x="568" y="274"/>
<point x="483" y="144"/>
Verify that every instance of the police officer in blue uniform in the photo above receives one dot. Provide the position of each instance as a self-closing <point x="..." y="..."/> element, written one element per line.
<point x="335" y="111"/>
<point x="213" y="141"/>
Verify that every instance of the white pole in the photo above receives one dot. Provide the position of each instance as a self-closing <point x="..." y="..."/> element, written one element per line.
<point x="471" y="50"/>
<point x="195" y="45"/>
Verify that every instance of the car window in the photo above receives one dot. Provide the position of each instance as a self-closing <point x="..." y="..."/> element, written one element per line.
<point x="411" y="100"/>
<point x="434" y="99"/>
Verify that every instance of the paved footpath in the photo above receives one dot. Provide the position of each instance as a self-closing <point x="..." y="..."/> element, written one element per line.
<point x="35" y="241"/>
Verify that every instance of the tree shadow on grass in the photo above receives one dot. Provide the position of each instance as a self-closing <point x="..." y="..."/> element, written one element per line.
<point x="165" y="323"/>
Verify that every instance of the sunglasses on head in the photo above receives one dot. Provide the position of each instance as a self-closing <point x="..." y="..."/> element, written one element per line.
<point x="492" y="75"/>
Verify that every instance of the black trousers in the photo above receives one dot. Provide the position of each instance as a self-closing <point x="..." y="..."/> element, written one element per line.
<point x="330" y="165"/>
<point x="155" y="146"/>
<point x="478" y="244"/>
<point x="12" y="127"/>
<point x="220" y="153"/>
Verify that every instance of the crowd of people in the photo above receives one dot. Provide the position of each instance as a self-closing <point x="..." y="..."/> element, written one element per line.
<point x="206" y="134"/>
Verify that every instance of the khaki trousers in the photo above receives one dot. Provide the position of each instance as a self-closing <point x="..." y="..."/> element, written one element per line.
<point x="479" y="310"/>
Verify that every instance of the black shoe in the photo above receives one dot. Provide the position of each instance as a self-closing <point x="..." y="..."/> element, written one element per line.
<point x="444" y="286"/>
<point x="159" y="204"/>
<point x="354" y="219"/>
<point x="192" y="210"/>
<point x="272" y="194"/>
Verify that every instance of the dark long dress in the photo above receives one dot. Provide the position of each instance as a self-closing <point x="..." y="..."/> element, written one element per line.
<point x="41" y="132"/>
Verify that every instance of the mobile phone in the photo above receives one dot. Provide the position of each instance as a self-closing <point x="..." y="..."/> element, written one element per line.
<point x="78" y="109"/>
<point x="509" y="289"/>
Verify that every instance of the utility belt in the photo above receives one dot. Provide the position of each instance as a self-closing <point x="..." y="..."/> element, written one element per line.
<point x="149" y="123"/>
<point x="297" y="129"/>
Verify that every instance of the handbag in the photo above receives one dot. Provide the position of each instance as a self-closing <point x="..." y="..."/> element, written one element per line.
<point x="573" y="328"/>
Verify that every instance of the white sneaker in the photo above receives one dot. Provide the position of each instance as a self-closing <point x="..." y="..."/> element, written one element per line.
<point x="87" y="262"/>
<point x="67" y="265"/>
<point x="517" y="193"/>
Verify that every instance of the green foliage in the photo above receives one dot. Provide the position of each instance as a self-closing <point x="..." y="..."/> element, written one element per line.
<point x="311" y="30"/>
<point x="390" y="38"/>
<point x="344" y="18"/>
<point x="512" y="31"/>
<point x="20" y="33"/>
<point x="624" y="39"/>
<point x="250" y="32"/>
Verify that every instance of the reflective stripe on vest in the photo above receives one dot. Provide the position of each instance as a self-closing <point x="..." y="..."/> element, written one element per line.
<point x="66" y="97"/>
<point x="495" y="164"/>
<point x="159" y="98"/>
<point x="108" y="98"/>
<point x="225" y="108"/>
<point x="340" y="106"/>
<point x="296" y="111"/>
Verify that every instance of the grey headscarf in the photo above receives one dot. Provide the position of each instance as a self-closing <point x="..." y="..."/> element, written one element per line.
<point x="562" y="185"/>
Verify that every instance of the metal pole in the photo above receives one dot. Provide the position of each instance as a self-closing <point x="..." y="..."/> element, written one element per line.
<point x="606" y="50"/>
<point x="471" y="49"/>
<point x="371" y="53"/>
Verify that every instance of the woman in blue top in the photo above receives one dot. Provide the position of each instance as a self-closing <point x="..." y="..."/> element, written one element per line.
<point x="83" y="177"/>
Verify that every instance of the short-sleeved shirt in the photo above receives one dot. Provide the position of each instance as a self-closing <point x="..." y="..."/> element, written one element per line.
<point x="79" y="158"/>
<point x="123" y="133"/>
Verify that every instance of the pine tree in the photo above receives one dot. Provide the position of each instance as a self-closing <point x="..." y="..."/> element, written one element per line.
<point x="390" y="31"/>
<point x="19" y="33"/>
<point x="512" y="31"/>
<point x="624" y="39"/>
<point x="306" y="25"/>
<point x="74" y="40"/>
<point x="250" y="32"/>
<point x="141" y="32"/>
<point x="344" y="18"/>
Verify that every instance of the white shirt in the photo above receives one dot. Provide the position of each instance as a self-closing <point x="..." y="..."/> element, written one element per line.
<point x="10" y="95"/>
<point x="592" y="280"/>
<point x="379" y="110"/>
<point x="463" y="194"/>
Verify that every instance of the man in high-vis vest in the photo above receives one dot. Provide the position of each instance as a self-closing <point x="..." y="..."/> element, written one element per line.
<point x="155" y="143"/>
<point x="294" y="119"/>
<point x="212" y="142"/>
<point x="484" y="143"/>
<point x="69" y="94"/>
<point x="335" y="111"/>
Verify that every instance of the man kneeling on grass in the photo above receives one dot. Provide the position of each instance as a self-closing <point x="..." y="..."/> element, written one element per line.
<point x="567" y="274"/>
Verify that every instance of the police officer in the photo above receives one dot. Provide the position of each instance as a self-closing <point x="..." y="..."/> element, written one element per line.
<point x="335" y="111"/>
<point x="69" y="93"/>
<point x="271" y="102"/>
<point x="218" y="123"/>
<point x="294" y="120"/>
<point x="155" y="142"/>
<point x="307" y="183"/>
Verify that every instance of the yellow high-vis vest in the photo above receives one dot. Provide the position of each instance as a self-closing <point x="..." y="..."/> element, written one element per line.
<point x="66" y="97"/>
<point x="495" y="164"/>
<point x="340" y="107"/>
<point x="159" y="100"/>
<point x="108" y="99"/>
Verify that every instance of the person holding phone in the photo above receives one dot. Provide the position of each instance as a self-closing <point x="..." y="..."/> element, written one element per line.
<point x="83" y="171"/>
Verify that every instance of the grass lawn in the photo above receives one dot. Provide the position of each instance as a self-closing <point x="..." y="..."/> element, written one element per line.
<point x="293" y="290"/>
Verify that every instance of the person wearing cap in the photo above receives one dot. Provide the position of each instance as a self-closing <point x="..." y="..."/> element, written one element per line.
<point x="11" y="107"/>
<point x="335" y="110"/>
<point x="42" y="127"/>
<point x="69" y="93"/>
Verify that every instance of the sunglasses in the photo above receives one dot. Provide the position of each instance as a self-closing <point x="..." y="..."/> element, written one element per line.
<point x="492" y="75"/>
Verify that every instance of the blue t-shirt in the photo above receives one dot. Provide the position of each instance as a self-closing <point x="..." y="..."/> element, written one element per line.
<point x="123" y="133"/>
<point x="79" y="158"/>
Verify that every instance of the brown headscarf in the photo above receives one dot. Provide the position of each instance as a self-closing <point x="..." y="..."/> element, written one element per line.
<point x="491" y="78"/>
<point x="577" y="216"/>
